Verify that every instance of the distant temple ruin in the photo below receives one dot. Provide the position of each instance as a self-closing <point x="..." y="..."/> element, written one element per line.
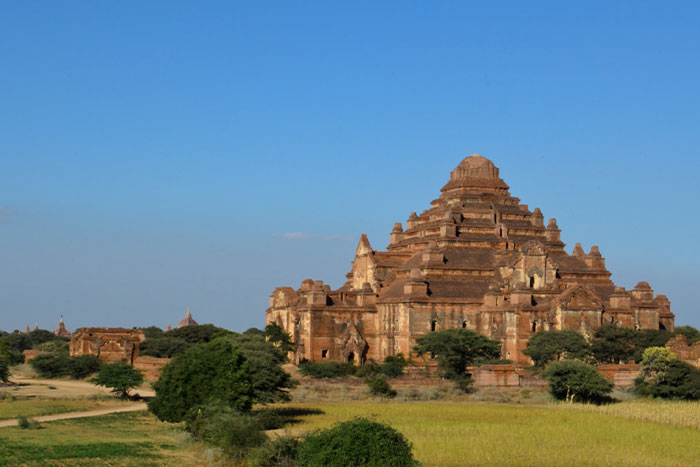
<point x="476" y="259"/>
<point x="111" y="345"/>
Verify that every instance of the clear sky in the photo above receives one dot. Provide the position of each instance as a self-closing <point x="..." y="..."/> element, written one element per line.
<point x="159" y="155"/>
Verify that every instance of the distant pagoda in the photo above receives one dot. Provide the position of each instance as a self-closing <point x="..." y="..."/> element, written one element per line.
<point x="61" y="330"/>
<point x="188" y="321"/>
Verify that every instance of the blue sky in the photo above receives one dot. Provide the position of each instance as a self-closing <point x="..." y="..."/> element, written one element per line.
<point x="159" y="155"/>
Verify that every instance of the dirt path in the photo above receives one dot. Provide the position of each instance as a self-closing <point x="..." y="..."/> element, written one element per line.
<point x="88" y="413"/>
<point x="67" y="387"/>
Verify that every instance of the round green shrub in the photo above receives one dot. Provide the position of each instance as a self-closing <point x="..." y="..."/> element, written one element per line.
<point x="358" y="442"/>
<point x="279" y="452"/>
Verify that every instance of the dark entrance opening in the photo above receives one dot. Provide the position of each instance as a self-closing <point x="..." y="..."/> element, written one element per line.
<point x="351" y="357"/>
<point x="433" y="325"/>
<point x="661" y="326"/>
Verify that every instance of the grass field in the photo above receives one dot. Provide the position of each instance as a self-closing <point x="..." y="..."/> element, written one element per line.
<point x="442" y="432"/>
<point x="454" y="433"/>
<point x="34" y="408"/>
<point x="128" y="439"/>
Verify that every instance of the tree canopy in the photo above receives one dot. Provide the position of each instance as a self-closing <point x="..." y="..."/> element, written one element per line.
<point x="665" y="376"/>
<point x="208" y="373"/>
<point x="549" y="346"/>
<point x="575" y="381"/>
<point x="118" y="376"/>
<point x="456" y="349"/>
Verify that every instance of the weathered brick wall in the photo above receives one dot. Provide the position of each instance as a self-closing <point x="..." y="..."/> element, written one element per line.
<point x="150" y="366"/>
<point x="31" y="354"/>
<point x="688" y="353"/>
<point x="622" y="375"/>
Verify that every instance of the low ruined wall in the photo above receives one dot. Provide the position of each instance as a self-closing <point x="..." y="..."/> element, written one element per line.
<point x="501" y="376"/>
<point x="688" y="353"/>
<point x="31" y="354"/>
<point x="150" y="366"/>
<point x="622" y="375"/>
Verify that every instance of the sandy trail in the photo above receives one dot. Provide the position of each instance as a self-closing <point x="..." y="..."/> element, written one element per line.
<point x="68" y="387"/>
<point x="88" y="413"/>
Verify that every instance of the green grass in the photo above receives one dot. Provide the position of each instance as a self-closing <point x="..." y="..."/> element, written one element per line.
<point x="454" y="433"/>
<point x="34" y="408"/>
<point x="126" y="439"/>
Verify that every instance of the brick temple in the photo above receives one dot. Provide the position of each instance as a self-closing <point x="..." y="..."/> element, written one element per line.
<point x="476" y="259"/>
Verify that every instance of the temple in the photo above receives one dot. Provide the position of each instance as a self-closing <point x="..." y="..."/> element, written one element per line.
<point x="476" y="259"/>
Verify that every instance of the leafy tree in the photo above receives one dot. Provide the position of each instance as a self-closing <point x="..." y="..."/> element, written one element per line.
<point x="215" y="371"/>
<point x="39" y="336"/>
<point x="18" y="341"/>
<point x="51" y="365"/>
<point x="118" y="376"/>
<point x="613" y="344"/>
<point x="4" y="351"/>
<point x="678" y="380"/>
<point x="164" y="347"/>
<point x="456" y="349"/>
<point x="358" y="442"/>
<point x="152" y="332"/>
<point x="195" y="334"/>
<point x="645" y="338"/>
<point x="83" y="366"/>
<point x="690" y="333"/>
<point x="264" y="363"/>
<point x="575" y="381"/>
<point x="277" y="336"/>
<point x="4" y="370"/>
<point x="548" y="346"/>
<point x="655" y="362"/>
<point x="54" y="346"/>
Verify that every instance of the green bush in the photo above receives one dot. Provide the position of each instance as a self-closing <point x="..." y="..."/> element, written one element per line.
<point x="163" y="347"/>
<point x="279" y="452"/>
<point x="51" y="365"/>
<point x="393" y="366"/>
<point x="575" y="381"/>
<point x="234" y="432"/>
<point x="4" y="370"/>
<point x="60" y="364"/>
<point x="83" y="366"/>
<point x="27" y="423"/>
<point x="359" y="442"/>
<point x="118" y="376"/>
<point x="378" y="386"/>
<point x="327" y="369"/>
<point x="269" y="419"/>
<point x="54" y="346"/>
<point x="368" y="369"/>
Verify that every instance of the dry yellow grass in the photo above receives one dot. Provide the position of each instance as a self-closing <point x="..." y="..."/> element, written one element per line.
<point x="676" y="413"/>
<point x="458" y="433"/>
